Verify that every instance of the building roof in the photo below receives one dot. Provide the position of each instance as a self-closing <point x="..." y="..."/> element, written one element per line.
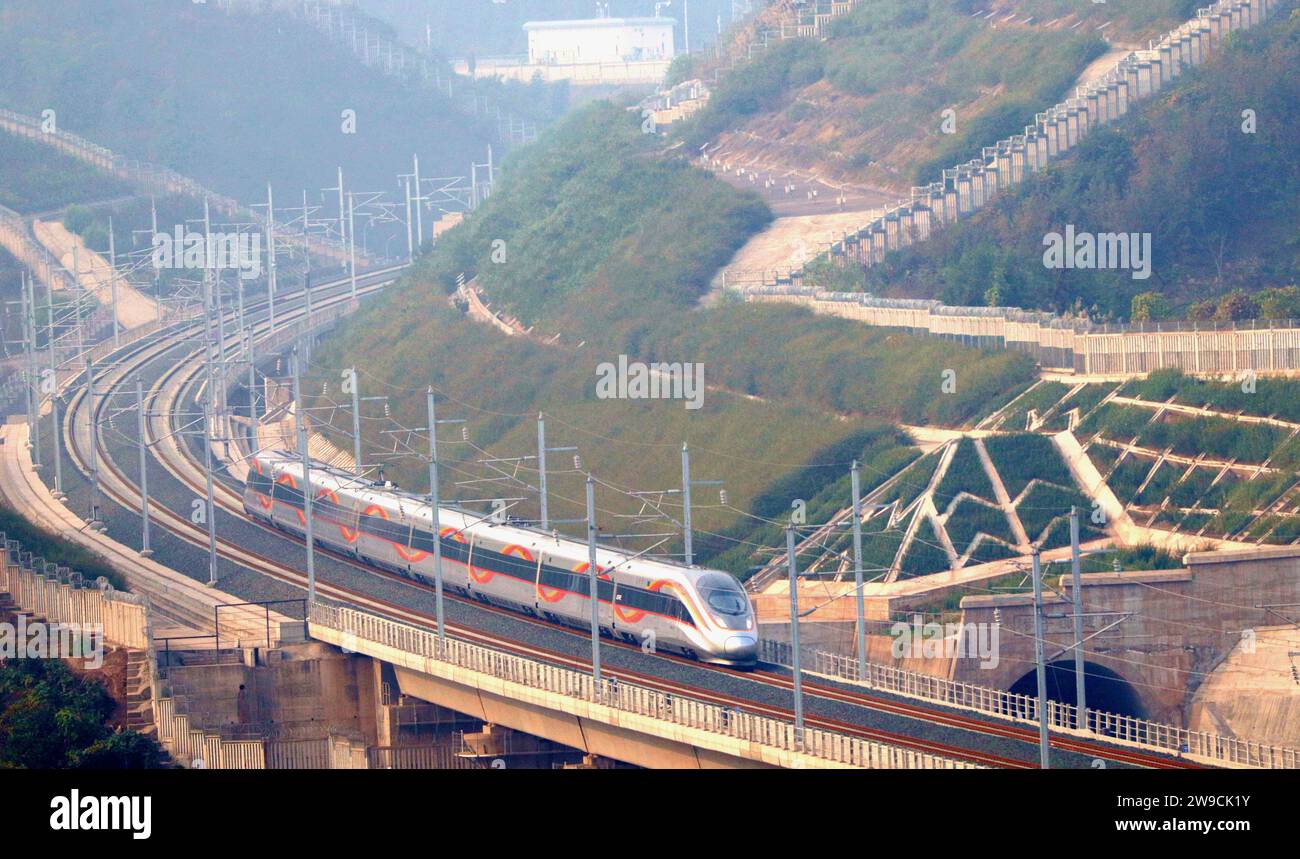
<point x="595" y="23"/>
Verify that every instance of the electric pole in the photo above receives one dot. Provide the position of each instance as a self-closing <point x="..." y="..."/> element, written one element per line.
<point x="795" y="668"/>
<point x="270" y="257"/>
<point x="112" y="279"/>
<point x="145" y="549"/>
<point x="686" y="505"/>
<point x="1080" y="686"/>
<point x="541" y="469"/>
<point x="1040" y="667"/>
<point x="857" y="573"/>
<point x="356" y="423"/>
<point x="300" y="418"/>
<point x="434" y="513"/>
<point x="352" y="248"/>
<point x="592" y="580"/>
<point x="94" y="523"/>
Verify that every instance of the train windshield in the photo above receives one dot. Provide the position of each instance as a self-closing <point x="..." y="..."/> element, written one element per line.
<point x="723" y="595"/>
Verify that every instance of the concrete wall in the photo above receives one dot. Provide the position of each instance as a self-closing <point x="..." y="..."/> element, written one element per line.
<point x="1180" y="624"/>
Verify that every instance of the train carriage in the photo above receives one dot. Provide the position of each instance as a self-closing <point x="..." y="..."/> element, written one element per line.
<point x="700" y="613"/>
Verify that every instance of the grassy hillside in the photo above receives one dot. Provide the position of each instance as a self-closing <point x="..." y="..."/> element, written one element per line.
<point x="233" y="100"/>
<point x="34" y="178"/>
<point x="867" y="104"/>
<point x="611" y="244"/>
<point x="1218" y="202"/>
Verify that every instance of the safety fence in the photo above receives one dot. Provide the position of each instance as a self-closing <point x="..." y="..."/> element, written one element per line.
<point x="150" y="178"/>
<point x="1156" y="736"/>
<point x="969" y="187"/>
<point x="622" y="696"/>
<point x="61" y="595"/>
<point x="1215" y="348"/>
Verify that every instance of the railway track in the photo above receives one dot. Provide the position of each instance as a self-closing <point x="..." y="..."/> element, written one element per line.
<point x="170" y="388"/>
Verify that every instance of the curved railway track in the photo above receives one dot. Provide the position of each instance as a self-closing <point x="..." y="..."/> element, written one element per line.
<point x="170" y="389"/>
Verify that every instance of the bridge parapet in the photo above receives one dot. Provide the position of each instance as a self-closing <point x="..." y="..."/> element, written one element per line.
<point x="657" y="715"/>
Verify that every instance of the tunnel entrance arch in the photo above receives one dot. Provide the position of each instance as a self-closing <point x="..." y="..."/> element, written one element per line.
<point x="1107" y="691"/>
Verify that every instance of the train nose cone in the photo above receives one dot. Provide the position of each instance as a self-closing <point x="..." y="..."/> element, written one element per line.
<point x="742" y="647"/>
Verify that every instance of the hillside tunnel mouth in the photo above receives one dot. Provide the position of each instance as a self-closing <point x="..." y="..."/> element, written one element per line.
<point x="1106" y="691"/>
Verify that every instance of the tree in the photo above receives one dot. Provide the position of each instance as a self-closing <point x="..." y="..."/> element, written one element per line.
<point x="1148" y="307"/>
<point x="1236" y="306"/>
<point x="1279" y="302"/>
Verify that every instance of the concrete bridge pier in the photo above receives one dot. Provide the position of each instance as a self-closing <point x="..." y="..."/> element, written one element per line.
<point x="1133" y="79"/>
<point x="1016" y="161"/>
<point x="1199" y="37"/>
<point x="1169" y="61"/>
<point x="964" y="192"/>
<point x="891" y="231"/>
<point x="1096" y="106"/>
<point x="877" y="243"/>
<point x="1064" y="139"/>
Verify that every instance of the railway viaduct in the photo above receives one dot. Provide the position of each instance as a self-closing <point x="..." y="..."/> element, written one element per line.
<point x="1153" y="637"/>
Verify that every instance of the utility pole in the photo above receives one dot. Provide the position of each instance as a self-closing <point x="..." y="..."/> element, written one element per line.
<point x="592" y="580"/>
<point x="94" y="523"/>
<point x="252" y="392"/>
<point x="356" y="423"/>
<point x="209" y="393"/>
<point x="686" y="505"/>
<point x="54" y="399"/>
<point x="343" y="233"/>
<point x="541" y="469"/>
<point x="352" y="248"/>
<point x="419" y="198"/>
<point x="157" y="272"/>
<point x="857" y="573"/>
<point x="410" y="247"/>
<point x="33" y="375"/>
<point x="1080" y="686"/>
<point x="270" y="257"/>
<point x="1040" y="667"/>
<point x="434" y="513"/>
<point x="211" y="500"/>
<point x="112" y="279"/>
<point x="300" y="418"/>
<point x="795" y="669"/>
<point x="145" y="549"/>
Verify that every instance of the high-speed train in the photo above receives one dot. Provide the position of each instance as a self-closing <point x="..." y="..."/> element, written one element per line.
<point x="703" y="614"/>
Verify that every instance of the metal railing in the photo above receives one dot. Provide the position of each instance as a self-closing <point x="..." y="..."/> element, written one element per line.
<point x="626" y="697"/>
<point x="1024" y="708"/>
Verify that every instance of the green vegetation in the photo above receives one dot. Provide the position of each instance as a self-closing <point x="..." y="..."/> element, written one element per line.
<point x="1218" y="203"/>
<point x="1044" y="505"/>
<point x="1040" y="398"/>
<point x="965" y="474"/>
<point x="57" y="550"/>
<point x="925" y="555"/>
<point x="1271" y="397"/>
<point x="875" y="89"/>
<point x="970" y="518"/>
<point x="1022" y="457"/>
<point x="50" y="718"/>
<point x="36" y="178"/>
<point x="236" y="98"/>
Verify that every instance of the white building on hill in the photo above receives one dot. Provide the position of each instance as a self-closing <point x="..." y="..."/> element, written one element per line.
<point x="608" y="51"/>
<point x="600" y="40"/>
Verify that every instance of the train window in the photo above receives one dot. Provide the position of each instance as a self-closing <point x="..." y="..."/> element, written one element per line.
<point x="723" y="595"/>
<point x="288" y="494"/>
